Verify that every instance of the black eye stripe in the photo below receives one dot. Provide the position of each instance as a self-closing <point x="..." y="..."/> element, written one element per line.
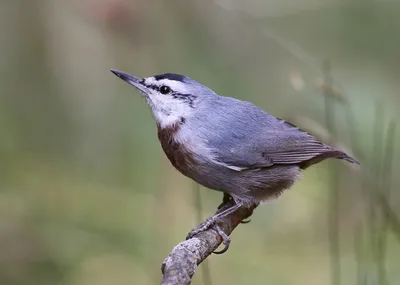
<point x="158" y="88"/>
<point x="154" y="87"/>
<point x="189" y="98"/>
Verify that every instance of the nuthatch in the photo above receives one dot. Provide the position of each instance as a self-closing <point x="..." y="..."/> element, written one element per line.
<point x="227" y="144"/>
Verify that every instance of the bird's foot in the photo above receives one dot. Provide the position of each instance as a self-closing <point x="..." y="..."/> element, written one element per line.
<point x="226" y="240"/>
<point x="207" y="224"/>
<point x="211" y="223"/>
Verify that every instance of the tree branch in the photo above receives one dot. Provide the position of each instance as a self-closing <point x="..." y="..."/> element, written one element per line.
<point x="182" y="262"/>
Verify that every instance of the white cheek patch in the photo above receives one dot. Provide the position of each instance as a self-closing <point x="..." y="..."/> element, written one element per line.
<point x="168" y="110"/>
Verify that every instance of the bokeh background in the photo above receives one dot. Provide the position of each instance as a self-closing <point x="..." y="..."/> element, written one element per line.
<point x="86" y="194"/>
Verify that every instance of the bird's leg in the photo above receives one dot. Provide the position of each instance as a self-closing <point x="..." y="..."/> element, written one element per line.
<point x="211" y="223"/>
<point x="227" y="211"/>
<point x="225" y="200"/>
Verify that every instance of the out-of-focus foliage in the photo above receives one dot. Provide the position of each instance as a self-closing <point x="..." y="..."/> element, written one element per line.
<point x="86" y="194"/>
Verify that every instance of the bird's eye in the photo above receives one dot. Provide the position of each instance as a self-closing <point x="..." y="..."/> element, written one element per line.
<point x="165" y="89"/>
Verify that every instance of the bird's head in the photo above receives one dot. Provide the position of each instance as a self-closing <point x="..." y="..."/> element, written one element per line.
<point x="173" y="98"/>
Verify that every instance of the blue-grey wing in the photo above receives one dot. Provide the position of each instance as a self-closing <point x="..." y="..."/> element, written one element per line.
<point x="250" y="138"/>
<point x="275" y="147"/>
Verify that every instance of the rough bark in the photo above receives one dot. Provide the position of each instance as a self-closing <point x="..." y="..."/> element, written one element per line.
<point x="181" y="264"/>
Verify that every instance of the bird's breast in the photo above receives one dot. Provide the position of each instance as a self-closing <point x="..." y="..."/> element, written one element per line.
<point x="178" y="154"/>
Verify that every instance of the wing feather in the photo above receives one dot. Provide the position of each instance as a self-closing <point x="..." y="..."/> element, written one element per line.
<point x="245" y="137"/>
<point x="287" y="146"/>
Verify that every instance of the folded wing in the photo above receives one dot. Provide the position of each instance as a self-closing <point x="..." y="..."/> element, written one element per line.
<point x="287" y="145"/>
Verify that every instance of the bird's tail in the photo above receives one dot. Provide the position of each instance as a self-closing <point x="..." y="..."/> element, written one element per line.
<point x="333" y="153"/>
<point x="348" y="158"/>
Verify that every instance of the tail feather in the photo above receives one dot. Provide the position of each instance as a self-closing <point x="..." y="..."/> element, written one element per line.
<point x="334" y="153"/>
<point x="349" y="159"/>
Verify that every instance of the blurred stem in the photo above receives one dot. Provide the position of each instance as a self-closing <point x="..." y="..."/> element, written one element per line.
<point x="391" y="215"/>
<point x="333" y="214"/>
<point x="386" y="177"/>
<point x="334" y="227"/>
<point x="375" y="186"/>
<point x="359" y="250"/>
<point x="206" y="274"/>
<point x="351" y="124"/>
<point x="359" y="246"/>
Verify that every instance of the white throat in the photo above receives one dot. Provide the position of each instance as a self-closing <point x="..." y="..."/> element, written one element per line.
<point x="168" y="111"/>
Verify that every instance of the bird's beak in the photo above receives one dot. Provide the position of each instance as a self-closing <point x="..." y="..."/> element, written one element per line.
<point x="132" y="80"/>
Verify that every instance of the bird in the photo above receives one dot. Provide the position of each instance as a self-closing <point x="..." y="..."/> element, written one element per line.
<point x="226" y="144"/>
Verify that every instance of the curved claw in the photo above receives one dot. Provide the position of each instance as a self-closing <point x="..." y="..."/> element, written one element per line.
<point x="225" y="240"/>
<point x="245" y="221"/>
<point x="223" y="250"/>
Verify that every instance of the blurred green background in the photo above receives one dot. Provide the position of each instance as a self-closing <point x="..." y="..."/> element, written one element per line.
<point x="86" y="194"/>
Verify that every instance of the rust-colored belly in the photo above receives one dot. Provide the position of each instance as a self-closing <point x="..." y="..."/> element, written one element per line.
<point x="177" y="153"/>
